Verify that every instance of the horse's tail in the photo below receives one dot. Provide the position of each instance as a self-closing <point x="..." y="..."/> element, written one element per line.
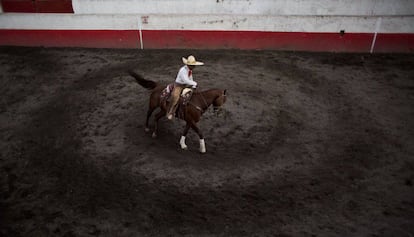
<point x="142" y="81"/>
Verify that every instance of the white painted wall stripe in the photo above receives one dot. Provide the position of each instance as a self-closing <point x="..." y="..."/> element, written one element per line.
<point x="324" y="24"/>
<point x="248" y="7"/>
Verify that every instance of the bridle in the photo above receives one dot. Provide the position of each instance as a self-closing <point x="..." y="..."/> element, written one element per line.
<point x="218" y="109"/>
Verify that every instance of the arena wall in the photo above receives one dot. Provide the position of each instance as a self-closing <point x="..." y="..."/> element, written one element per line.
<point x="306" y="25"/>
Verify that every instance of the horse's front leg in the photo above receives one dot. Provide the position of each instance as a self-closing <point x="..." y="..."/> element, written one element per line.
<point x="200" y="135"/>
<point x="182" y="139"/>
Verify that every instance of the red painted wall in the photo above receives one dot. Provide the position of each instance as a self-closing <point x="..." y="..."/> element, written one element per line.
<point x="164" y="39"/>
<point x="37" y="6"/>
<point x="359" y="42"/>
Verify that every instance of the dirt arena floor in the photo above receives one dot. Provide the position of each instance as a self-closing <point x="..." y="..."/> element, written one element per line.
<point x="308" y="144"/>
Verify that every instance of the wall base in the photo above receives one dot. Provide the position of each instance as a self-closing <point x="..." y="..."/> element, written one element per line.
<point x="168" y="39"/>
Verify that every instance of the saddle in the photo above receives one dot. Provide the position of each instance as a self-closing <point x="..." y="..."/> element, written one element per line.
<point x="182" y="102"/>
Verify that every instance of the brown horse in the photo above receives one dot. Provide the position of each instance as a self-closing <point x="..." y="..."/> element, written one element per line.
<point x="199" y="103"/>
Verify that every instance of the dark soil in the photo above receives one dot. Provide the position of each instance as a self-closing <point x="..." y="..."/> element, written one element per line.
<point x="308" y="144"/>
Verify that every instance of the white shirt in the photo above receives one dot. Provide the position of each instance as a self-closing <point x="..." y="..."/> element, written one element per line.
<point x="184" y="78"/>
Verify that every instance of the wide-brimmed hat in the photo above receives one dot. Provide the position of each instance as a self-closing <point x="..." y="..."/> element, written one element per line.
<point x="192" y="61"/>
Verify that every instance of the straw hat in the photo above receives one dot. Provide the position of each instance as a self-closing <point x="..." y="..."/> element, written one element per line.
<point x="192" y="61"/>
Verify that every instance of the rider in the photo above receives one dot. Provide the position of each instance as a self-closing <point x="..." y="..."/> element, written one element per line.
<point x="184" y="79"/>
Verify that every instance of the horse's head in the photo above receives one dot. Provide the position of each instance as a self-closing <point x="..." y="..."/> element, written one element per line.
<point x="220" y="100"/>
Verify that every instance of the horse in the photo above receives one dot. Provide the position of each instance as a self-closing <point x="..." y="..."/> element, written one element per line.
<point x="198" y="104"/>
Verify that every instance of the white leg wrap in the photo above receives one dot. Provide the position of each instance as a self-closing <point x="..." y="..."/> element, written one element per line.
<point x="182" y="143"/>
<point x="202" y="146"/>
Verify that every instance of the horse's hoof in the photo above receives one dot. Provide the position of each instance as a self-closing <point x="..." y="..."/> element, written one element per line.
<point x="202" y="151"/>
<point x="184" y="148"/>
<point x="154" y="135"/>
<point x="147" y="130"/>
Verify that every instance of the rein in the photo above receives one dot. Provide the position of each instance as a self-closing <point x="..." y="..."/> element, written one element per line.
<point x="205" y="102"/>
<point x="198" y="107"/>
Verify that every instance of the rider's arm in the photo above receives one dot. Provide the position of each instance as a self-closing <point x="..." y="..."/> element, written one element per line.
<point x="183" y="78"/>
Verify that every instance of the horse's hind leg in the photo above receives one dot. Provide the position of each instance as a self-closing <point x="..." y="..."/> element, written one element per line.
<point x="159" y="115"/>
<point x="153" y="104"/>
<point x="149" y="112"/>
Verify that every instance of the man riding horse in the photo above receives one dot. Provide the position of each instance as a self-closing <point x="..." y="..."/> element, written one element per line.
<point x="184" y="79"/>
<point x="199" y="102"/>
